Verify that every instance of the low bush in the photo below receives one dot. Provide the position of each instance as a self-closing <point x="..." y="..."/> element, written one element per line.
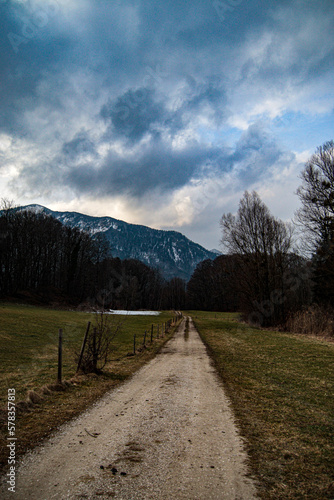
<point x="315" y="320"/>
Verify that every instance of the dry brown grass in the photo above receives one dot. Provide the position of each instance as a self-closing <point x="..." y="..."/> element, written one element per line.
<point x="33" y="398"/>
<point x="316" y="320"/>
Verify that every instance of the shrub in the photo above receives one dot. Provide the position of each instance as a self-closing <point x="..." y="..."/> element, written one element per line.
<point x="315" y="320"/>
<point x="99" y="343"/>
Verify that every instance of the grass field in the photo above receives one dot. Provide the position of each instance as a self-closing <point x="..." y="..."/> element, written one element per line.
<point x="29" y="355"/>
<point x="29" y="343"/>
<point x="280" y="386"/>
<point x="281" y="389"/>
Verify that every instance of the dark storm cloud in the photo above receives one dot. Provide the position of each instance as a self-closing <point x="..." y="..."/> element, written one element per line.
<point x="256" y="153"/>
<point x="133" y="114"/>
<point x="156" y="168"/>
<point x="159" y="167"/>
<point x="79" y="145"/>
<point x="138" y="112"/>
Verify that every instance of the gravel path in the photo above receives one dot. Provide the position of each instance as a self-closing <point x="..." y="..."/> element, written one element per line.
<point x="167" y="433"/>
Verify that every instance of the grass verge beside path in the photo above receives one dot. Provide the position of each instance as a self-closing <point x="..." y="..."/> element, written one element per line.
<point x="281" y="389"/>
<point x="28" y="361"/>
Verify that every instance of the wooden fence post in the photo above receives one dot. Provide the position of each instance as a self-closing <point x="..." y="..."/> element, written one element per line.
<point x="94" y="351"/>
<point x="60" y="353"/>
<point x="83" y="346"/>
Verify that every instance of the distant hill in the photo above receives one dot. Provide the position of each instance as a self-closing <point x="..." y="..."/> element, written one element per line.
<point x="169" y="251"/>
<point x="216" y="252"/>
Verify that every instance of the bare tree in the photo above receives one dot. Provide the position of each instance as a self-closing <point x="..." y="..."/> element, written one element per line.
<point x="316" y="193"/>
<point x="254" y="230"/>
<point x="316" y="217"/>
<point x="6" y="205"/>
<point x="263" y="244"/>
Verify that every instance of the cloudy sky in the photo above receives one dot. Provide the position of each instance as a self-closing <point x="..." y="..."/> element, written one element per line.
<point x="163" y="113"/>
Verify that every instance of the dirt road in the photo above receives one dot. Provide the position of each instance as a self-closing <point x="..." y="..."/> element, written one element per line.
<point x="168" y="433"/>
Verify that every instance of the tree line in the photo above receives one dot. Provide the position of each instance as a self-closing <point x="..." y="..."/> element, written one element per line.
<point x="276" y="272"/>
<point x="42" y="259"/>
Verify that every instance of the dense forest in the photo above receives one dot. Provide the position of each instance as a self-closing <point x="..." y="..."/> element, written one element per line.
<point x="43" y="260"/>
<point x="274" y="273"/>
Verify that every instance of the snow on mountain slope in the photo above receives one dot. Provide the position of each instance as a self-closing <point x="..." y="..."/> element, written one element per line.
<point x="170" y="251"/>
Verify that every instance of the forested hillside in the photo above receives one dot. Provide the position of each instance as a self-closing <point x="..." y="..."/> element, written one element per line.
<point x="169" y="251"/>
<point x="43" y="260"/>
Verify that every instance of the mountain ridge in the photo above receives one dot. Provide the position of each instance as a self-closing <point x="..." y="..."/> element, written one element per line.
<point x="170" y="251"/>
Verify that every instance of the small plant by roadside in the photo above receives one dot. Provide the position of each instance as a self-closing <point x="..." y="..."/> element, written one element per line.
<point x="99" y="343"/>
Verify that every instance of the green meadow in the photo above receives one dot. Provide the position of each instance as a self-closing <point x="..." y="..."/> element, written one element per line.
<point x="29" y="343"/>
<point x="281" y="389"/>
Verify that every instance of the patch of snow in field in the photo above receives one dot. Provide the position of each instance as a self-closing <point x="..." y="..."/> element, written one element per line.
<point x="134" y="313"/>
